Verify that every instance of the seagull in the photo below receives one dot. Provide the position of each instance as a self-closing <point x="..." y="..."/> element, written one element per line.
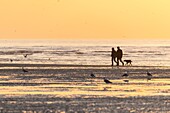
<point x="11" y="60"/>
<point x="25" y="71"/>
<point x="25" y="55"/>
<point x="107" y="81"/>
<point x="149" y="76"/>
<point x="92" y="75"/>
<point x="125" y="74"/>
<point x="126" y="81"/>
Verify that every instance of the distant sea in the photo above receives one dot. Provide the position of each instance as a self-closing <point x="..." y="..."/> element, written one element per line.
<point x="91" y="52"/>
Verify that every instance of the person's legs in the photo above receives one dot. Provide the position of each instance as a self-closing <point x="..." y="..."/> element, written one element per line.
<point x="112" y="61"/>
<point x="115" y="59"/>
<point x="121" y="61"/>
<point x="118" y="61"/>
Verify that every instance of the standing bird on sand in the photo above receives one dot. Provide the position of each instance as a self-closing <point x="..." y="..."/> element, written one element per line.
<point x="25" y="71"/>
<point x="11" y="60"/>
<point x="107" y="81"/>
<point x="125" y="74"/>
<point x="92" y="75"/>
<point x="126" y="81"/>
<point x="149" y="76"/>
<point x="25" y="55"/>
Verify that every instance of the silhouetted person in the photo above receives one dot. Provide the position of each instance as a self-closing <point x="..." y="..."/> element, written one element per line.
<point x="119" y="56"/>
<point x="113" y="55"/>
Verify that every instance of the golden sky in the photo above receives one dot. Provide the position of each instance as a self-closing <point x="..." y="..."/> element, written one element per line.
<point x="80" y="19"/>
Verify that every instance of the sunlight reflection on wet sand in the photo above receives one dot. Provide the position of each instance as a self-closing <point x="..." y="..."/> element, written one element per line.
<point x="135" y="87"/>
<point x="50" y="88"/>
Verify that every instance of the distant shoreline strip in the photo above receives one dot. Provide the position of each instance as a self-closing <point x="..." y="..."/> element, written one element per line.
<point x="63" y="65"/>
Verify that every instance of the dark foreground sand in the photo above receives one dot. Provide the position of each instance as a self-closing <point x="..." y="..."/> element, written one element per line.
<point x="70" y="89"/>
<point x="83" y="104"/>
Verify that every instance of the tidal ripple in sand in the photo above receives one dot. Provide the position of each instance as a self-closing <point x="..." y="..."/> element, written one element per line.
<point x="69" y="90"/>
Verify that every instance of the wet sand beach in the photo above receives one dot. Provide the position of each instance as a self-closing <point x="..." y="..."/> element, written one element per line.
<point x="49" y="88"/>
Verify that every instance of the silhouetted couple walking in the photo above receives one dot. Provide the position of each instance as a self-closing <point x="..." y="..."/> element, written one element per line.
<point x="117" y="56"/>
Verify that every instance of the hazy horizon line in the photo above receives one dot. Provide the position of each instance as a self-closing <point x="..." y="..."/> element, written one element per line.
<point x="19" y="39"/>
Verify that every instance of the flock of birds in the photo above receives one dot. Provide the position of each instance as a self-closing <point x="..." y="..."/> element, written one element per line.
<point x="149" y="77"/>
<point x="25" y="56"/>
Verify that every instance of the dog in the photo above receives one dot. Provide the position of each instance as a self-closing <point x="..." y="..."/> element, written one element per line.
<point x="128" y="62"/>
